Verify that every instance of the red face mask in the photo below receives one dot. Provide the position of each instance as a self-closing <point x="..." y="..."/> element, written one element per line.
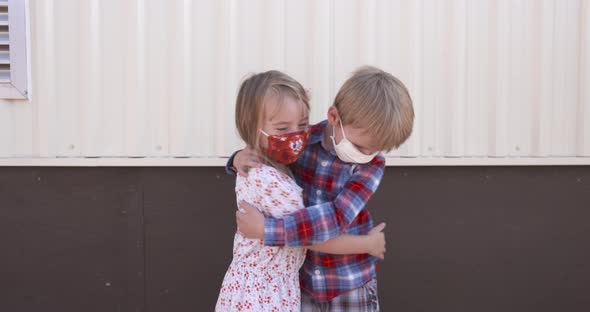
<point x="286" y="148"/>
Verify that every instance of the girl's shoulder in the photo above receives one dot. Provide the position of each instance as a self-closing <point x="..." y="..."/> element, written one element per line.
<point x="270" y="190"/>
<point x="265" y="175"/>
<point x="265" y="172"/>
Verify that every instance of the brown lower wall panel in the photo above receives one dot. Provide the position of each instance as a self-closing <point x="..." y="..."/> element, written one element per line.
<point x="160" y="239"/>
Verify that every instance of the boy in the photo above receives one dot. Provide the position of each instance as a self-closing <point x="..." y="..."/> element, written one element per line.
<point x="339" y="171"/>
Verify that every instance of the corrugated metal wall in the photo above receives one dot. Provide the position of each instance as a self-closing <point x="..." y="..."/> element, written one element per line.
<point x="153" y="78"/>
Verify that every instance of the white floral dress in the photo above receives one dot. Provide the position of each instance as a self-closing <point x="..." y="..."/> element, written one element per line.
<point x="262" y="278"/>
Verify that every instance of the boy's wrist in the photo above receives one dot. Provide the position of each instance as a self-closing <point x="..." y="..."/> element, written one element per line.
<point x="274" y="232"/>
<point x="260" y="234"/>
<point x="367" y="242"/>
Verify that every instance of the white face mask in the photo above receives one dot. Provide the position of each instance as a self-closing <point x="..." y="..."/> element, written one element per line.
<point x="347" y="152"/>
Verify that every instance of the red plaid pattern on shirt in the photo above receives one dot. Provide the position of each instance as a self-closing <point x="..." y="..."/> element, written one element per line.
<point x="335" y="194"/>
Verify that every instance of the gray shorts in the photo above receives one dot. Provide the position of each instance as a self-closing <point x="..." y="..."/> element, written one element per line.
<point x="363" y="299"/>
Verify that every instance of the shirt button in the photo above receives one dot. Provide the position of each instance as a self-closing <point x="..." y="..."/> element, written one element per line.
<point x="324" y="163"/>
<point x="317" y="272"/>
<point x="318" y="192"/>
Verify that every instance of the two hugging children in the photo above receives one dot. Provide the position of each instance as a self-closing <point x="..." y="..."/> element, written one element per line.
<point x="305" y="240"/>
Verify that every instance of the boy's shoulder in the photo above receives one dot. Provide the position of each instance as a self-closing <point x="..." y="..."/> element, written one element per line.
<point x="316" y="131"/>
<point x="374" y="167"/>
<point x="378" y="160"/>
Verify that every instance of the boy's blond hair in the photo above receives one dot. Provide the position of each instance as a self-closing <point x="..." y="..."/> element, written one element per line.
<point x="250" y="103"/>
<point x="375" y="100"/>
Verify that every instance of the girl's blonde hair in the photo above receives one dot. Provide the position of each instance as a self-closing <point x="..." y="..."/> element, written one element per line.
<point x="254" y="92"/>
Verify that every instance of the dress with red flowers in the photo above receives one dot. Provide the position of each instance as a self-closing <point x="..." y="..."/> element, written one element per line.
<point x="262" y="278"/>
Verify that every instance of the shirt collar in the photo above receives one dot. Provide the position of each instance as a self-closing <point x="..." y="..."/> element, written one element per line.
<point x="317" y="132"/>
<point x="317" y="136"/>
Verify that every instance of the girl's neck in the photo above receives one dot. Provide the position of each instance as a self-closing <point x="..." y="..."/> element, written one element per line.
<point x="280" y="167"/>
<point x="284" y="169"/>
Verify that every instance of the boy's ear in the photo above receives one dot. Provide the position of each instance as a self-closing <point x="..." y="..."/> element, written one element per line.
<point x="333" y="115"/>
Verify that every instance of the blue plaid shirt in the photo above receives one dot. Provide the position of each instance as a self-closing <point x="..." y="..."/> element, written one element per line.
<point x="335" y="194"/>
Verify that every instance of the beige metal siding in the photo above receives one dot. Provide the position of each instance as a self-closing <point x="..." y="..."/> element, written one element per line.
<point x="152" y="78"/>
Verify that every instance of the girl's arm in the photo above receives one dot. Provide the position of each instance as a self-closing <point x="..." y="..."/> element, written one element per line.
<point x="372" y="243"/>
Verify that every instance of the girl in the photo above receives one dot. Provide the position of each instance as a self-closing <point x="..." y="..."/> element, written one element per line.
<point x="272" y="118"/>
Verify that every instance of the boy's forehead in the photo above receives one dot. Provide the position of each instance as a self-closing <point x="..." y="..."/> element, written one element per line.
<point x="361" y="137"/>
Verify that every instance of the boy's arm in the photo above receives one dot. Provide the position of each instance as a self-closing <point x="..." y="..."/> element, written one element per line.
<point x="317" y="224"/>
<point x="240" y="161"/>
<point x="229" y="166"/>
<point x="373" y="243"/>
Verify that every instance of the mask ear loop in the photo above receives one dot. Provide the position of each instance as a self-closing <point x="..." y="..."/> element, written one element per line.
<point x="334" y="132"/>
<point x="333" y="136"/>
<point x="264" y="133"/>
<point x="342" y="128"/>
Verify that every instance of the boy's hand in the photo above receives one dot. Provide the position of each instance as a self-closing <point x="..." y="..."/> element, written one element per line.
<point x="245" y="159"/>
<point x="250" y="221"/>
<point x="376" y="240"/>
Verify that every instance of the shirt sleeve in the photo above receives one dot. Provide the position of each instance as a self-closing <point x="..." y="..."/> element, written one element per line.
<point x="229" y="166"/>
<point x="319" y="223"/>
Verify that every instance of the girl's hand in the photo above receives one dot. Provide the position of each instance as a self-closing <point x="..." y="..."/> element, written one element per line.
<point x="245" y="159"/>
<point x="376" y="240"/>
